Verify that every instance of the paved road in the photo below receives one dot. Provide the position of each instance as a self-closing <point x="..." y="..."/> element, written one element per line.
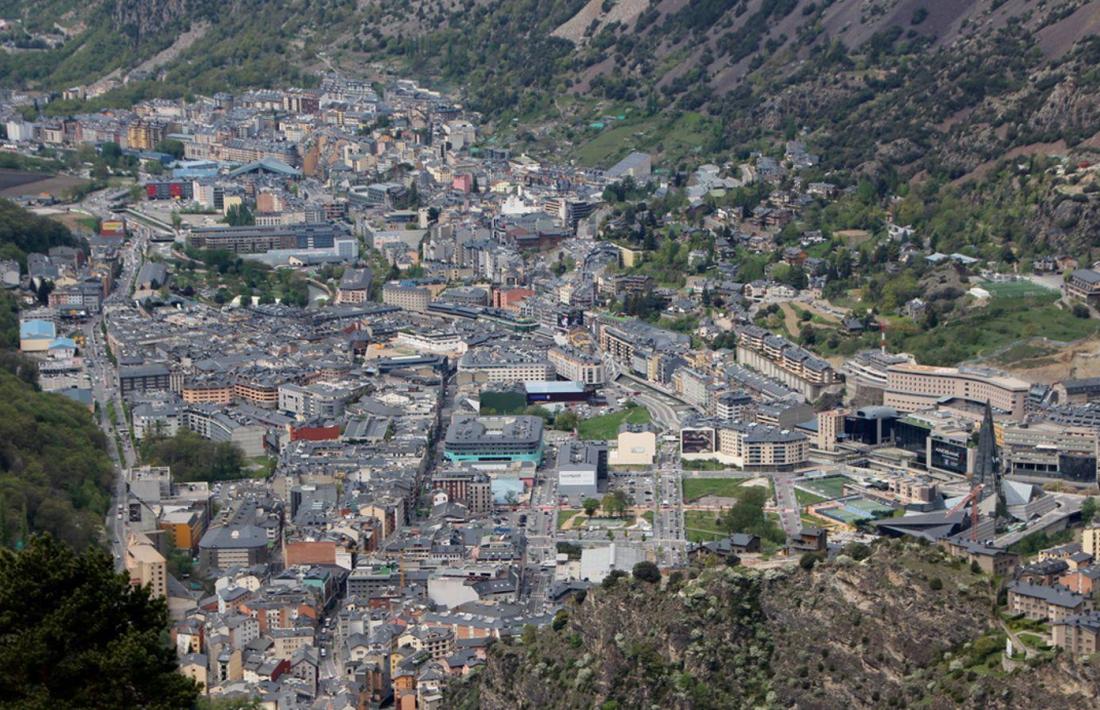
<point x="104" y="381"/>
<point x="1068" y="504"/>
<point x="787" y="503"/>
<point x="662" y="407"/>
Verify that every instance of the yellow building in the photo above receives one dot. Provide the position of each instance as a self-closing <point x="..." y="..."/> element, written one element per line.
<point x="230" y="201"/>
<point x="145" y="565"/>
<point x="635" y="448"/>
<point x="630" y="257"/>
<point x="1090" y="540"/>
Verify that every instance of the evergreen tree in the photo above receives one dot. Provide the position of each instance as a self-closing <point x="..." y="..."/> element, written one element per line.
<point x="76" y="634"/>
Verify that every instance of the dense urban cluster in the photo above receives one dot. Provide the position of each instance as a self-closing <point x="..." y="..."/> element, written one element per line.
<point x="441" y="389"/>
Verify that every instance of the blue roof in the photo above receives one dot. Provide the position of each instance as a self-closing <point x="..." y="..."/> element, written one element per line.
<point x="63" y="343"/>
<point x="31" y="329"/>
<point x="82" y="395"/>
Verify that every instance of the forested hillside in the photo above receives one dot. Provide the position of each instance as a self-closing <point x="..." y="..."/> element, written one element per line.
<point x="54" y="470"/>
<point x="22" y="232"/>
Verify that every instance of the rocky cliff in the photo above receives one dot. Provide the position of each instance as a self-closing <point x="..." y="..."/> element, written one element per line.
<point x="903" y="627"/>
<point x="140" y="18"/>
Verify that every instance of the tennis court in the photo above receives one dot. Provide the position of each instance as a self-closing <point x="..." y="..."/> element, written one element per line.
<point x="854" y="510"/>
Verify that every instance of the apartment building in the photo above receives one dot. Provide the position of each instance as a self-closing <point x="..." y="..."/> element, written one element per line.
<point x="211" y="422"/>
<point x="911" y="387"/>
<point x="782" y="360"/>
<point x="355" y="286"/>
<point x="1078" y="634"/>
<point x="471" y="488"/>
<point x="578" y="366"/>
<point x="145" y="565"/>
<point x="734" y="405"/>
<point x="143" y="378"/>
<point x="1083" y="284"/>
<point x="622" y="340"/>
<point x="497" y="365"/>
<point x="320" y="399"/>
<point x="207" y="392"/>
<point x="1090" y="540"/>
<point x="744" y="446"/>
<point x="406" y="297"/>
<point x="830" y="425"/>
<point x="145" y="135"/>
<point x="1042" y="603"/>
<point x="259" y="392"/>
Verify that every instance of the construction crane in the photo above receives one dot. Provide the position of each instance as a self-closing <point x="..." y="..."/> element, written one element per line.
<point x="972" y="497"/>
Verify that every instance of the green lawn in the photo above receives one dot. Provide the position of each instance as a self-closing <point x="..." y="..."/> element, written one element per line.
<point x="806" y="498"/>
<point x="606" y="426"/>
<point x="1021" y="623"/>
<point x="829" y="486"/>
<point x="696" y="488"/>
<point x="702" y="525"/>
<point x="674" y="138"/>
<point x="261" y="466"/>
<point x="566" y="514"/>
<point x="1034" y="640"/>
<point x="89" y="223"/>
<point x="809" y="521"/>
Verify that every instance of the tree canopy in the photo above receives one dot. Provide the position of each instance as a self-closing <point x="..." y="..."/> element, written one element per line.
<point x="54" y="471"/>
<point x="76" y="634"/>
<point x="193" y="458"/>
<point x="22" y="232"/>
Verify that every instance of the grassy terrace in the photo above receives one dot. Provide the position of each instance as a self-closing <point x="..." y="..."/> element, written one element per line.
<point x="1004" y="321"/>
<point x="606" y="426"/>
<point x="696" y="488"/>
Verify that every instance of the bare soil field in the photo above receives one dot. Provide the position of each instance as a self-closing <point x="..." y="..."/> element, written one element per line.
<point x="15" y="183"/>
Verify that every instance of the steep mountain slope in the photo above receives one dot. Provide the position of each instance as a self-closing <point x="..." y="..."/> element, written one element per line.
<point x="54" y="471"/>
<point x="943" y="95"/>
<point x="978" y="75"/>
<point x="903" y="627"/>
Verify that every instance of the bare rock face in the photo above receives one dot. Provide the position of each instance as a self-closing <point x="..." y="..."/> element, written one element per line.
<point x="138" y="18"/>
<point x="905" y="626"/>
